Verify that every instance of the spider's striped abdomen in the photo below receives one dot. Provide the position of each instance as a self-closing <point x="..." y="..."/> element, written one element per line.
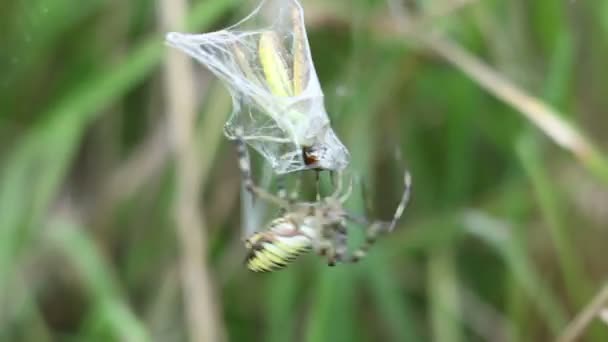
<point x="276" y="247"/>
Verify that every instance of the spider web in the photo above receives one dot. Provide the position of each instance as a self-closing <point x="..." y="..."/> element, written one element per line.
<point x="277" y="100"/>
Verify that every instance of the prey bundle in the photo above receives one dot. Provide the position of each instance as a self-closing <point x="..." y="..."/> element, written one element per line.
<point x="266" y="64"/>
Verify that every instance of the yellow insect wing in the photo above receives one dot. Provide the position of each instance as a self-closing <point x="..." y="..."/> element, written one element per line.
<point x="274" y="65"/>
<point x="300" y="65"/>
<point x="244" y="65"/>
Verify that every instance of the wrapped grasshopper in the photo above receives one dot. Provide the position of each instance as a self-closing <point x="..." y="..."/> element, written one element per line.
<point x="277" y="99"/>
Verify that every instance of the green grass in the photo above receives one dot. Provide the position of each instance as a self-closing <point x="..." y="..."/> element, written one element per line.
<point x="492" y="212"/>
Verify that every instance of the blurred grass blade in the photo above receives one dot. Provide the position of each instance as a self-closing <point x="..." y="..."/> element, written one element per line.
<point x="283" y="294"/>
<point x="34" y="39"/>
<point x="540" y="114"/>
<point x="443" y="292"/>
<point x="34" y="169"/>
<point x="594" y="310"/>
<point x="332" y="313"/>
<point x="559" y="79"/>
<point x="392" y="303"/>
<point x="21" y="318"/>
<point x="337" y="287"/>
<point x="570" y="265"/>
<point x="513" y="251"/>
<point x="603" y="16"/>
<point x="114" y="310"/>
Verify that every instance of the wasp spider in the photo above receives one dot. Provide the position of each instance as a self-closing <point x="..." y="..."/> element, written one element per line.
<point x="305" y="226"/>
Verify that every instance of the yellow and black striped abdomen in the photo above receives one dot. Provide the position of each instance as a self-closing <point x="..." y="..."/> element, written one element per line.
<point x="276" y="247"/>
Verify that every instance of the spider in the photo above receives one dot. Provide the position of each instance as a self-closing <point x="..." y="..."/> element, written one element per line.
<point x="305" y="226"/>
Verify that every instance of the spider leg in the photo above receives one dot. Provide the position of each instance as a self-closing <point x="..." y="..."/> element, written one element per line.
<point x="376" y="228"/>
<point x="244" y="166"/>
<point x="371" y="235"/>
<point x="324" y="248"/>
<point x="340" y="243"/>
<point x="323" y="244"/>
<point x="293" y="196"/>
<point x="336" y="244"/>
<point x="349" y="191"/>
<point x="366" y="198"/>
<point x="405" y="199"/>
<point x="358" y="219"/>
<point x="318" y="184"/>
<point x="290" y="197"/>
<point x="332" y="256"/>
<point x="337" y="184"/>
<point x="281" y="190"/>
<point x="282" y="194"/>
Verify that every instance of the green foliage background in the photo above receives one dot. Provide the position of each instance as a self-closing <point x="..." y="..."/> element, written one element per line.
<point x="504" y="239"/>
